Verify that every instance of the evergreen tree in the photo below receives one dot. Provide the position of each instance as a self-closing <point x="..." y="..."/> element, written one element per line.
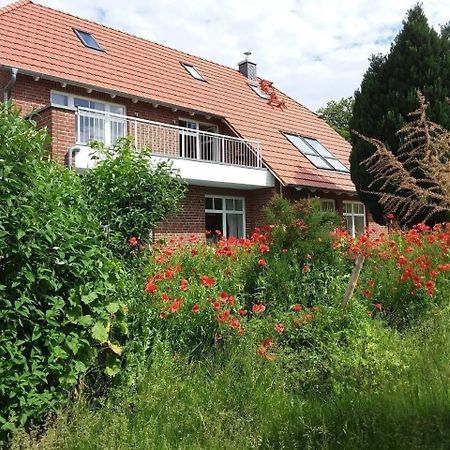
<point x="419" y="59"/>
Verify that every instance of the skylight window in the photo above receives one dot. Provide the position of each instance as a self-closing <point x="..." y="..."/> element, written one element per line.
<point x="258" y="91"/>
<point x="87" y="39"/>
<point x="316" y="153"/>
<point x="193" y="71"/>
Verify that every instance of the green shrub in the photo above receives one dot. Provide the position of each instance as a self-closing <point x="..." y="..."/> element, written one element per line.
<point x="130" y="194"/>
<point x="59" y="288"/>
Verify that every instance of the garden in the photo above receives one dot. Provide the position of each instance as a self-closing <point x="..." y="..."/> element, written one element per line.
<point x="109" y="342"/>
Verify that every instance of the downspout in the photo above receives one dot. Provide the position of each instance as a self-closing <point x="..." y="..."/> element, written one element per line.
<point x="7" y="89"/>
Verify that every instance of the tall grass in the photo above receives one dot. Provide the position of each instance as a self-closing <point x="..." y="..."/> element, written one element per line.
<point x="237" y="401"/>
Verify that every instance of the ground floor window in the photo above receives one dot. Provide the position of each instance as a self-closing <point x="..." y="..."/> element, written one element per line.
<point x="327" y="205"/>
<point x="355" y="217"/>
<point x="226" y="214"/>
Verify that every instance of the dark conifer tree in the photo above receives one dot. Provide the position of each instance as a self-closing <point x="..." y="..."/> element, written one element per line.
<point x="419" y="59"/>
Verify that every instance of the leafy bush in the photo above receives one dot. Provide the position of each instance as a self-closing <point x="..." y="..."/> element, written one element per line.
<point x="130" y="194"/>
<point x="59" y="288"/>
<point x="302" y="266"/>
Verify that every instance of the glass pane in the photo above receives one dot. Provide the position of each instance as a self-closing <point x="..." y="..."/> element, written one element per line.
<point x="327" y="205"/>
<point x="209" y="203"/>
<point x="318" y="161"/>
<point x="116" y="109"/>
<point x="239" y="205"/>
<point x="60" y="99"/>
<point x="81" y="102"/>
<point x="347" y="207"/>
<point x="319" y="148"/>
<point x="301" y="144"/>
<point x="218" y="203"/>
<point x="337" y="164"/>
<point x="97" y="106"/>
<point x="117" y="130"/>
<point x="235" y="225"/>
<point x="359" y="224"/>
<point x="230" y="204"/>
<point x="349" y="224"/>
<point x="360" y="208"/>
<point x="213" y="222"/>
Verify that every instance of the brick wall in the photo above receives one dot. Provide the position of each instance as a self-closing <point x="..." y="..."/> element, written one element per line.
<point x="191" y="218"/>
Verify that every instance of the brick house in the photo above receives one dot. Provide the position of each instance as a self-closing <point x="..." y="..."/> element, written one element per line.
<point x="222" y="128"/>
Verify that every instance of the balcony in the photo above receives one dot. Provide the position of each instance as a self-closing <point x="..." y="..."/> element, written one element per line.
<point x="201" y="157"/>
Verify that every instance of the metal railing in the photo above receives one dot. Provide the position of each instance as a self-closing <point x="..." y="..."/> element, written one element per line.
<point x="166" y="139"/>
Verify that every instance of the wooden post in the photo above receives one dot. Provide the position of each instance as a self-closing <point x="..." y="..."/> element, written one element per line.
<point x="353" y="280"/>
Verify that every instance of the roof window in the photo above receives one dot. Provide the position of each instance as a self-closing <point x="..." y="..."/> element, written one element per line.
<point x="316" y="153"/>
<point x="258" y="91"/>
<point x="193" y="71"/>
<point x="87" y="39"/>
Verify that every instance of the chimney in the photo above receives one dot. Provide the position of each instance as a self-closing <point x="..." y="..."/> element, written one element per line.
<point x="248" y="68"/>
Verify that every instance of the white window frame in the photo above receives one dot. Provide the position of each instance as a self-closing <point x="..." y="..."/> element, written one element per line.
<point x="108" y="106"/>
<point x="196" y="133"/>
<point x="353" y="214"/>
<point x="224" y="211"/>
<point x="323" y="201"/>
<point x="192" y="71"/>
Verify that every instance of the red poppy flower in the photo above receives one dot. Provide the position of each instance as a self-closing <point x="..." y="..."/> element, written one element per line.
<point x="267" y="342"/>
<point x="162" y="315"/>
<point x="264" y="248"/>
<point x="133" y="241"/>
<point x="223" y="296"/>
<point x="258" y="308"/>
<point x="150" y="286"/>
<point x="389" y="216"/>
<point x="194" y="252"/>
<point x="184" y="285"/>
<point x="242" y="312"/>
<point x="279" y="327"/>
<point x="215" y="305"/>
<point x="262" y="262"/>
<point x="297" y="307"/>
<point x="224" y="316"/>
<point x="305" y="269"/>
<point x="175" y="305"/>
<point x="195" y="308"/>
<point x="367" y="293"/>
<point x="165" y="297"/>
<point x="378" y="306"/>
<point x="231" y="300"/>
<point x="218" y="232"/>
<point x="207" y="281"/>
<point x="235" y="324"/>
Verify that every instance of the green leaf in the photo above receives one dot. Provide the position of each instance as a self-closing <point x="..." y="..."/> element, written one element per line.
<point x="100" y="332"/>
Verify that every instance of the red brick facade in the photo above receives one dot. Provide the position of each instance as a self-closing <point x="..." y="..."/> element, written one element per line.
<point x="31" y="95"/>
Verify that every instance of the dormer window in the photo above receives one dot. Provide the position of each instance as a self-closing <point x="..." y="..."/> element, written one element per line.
<point x="316" y="153"/>
<point x="193" y="71"/>
<point x="87" y="39"/>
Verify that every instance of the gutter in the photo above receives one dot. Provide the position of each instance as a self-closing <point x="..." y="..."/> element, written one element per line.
<point x="8" y="88"/>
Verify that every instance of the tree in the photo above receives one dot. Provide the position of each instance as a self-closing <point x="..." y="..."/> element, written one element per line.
<point x="131" y="195"/>
<point x="419" y="59"/>
<point x="416" y="182"/>
<point x="337" y="114"/>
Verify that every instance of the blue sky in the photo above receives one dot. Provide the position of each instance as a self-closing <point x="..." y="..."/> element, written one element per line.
<point x="314" y="50"/>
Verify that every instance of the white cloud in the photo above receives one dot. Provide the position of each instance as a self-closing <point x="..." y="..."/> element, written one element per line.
<point x="314" y="50"/>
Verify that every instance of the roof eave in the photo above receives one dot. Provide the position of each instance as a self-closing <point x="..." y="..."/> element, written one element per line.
<point x="113" y="92"/>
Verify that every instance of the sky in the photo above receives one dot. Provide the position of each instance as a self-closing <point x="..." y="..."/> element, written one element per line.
<point x="313" y="50"/>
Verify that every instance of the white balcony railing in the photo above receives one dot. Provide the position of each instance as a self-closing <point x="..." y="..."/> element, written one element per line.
<point x="166" y="139"/>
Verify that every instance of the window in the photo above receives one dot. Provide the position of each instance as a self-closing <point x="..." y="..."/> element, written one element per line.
<point x="199" y="141"/>
<point x="327" y="205"/>
<point x="316" y="153"/>
<point x="95" y="121"/>
<point x="226" y="214"/>
<point x="258" y="91"/>
<point x="355" y="217"/>
<point x="88" y="40"/>
<point x="193" y="71"/>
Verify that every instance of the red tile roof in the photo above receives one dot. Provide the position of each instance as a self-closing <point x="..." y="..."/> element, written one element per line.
<point x="40" y="40"/>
